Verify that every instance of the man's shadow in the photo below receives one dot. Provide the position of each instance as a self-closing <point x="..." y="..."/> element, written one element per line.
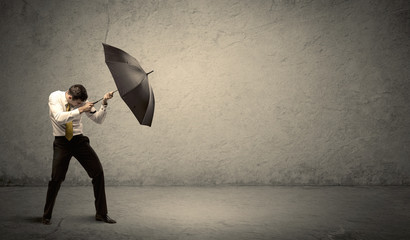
<point x="33" y="219"/>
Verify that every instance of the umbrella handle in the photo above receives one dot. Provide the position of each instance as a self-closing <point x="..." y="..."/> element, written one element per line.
<point x="103" y="98"/>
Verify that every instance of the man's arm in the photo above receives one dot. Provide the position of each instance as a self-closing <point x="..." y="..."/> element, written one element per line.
<point x="58" y="112"/>
<point x="99" y="116"/>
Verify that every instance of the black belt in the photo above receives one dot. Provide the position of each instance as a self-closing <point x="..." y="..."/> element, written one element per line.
<point x="59" y="137"/>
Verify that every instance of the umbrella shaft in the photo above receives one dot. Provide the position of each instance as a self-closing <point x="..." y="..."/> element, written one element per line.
<point x="103" y="98"/>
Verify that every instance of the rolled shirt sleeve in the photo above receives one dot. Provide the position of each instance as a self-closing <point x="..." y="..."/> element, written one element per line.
<point x="98" y="116"/>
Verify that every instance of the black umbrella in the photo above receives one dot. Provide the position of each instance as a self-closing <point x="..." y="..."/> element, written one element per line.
<point x="132" y="83"/>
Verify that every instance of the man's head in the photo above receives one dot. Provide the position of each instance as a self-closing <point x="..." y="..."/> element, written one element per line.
<point x="76" y="95"/>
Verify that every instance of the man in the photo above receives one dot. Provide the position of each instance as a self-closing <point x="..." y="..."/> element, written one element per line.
<point x="66" y="110"/>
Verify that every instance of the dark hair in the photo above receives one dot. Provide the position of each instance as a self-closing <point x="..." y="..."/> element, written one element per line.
<point x="78" y="91"/>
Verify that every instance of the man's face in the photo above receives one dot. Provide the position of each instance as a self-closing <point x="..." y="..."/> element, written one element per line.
<point x="74" y="103"/>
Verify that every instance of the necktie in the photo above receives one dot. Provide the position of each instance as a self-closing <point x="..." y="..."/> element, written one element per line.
<point x="69" y="127"/>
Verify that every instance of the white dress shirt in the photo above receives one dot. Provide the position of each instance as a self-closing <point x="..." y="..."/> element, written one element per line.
<point x="59" y="116"/>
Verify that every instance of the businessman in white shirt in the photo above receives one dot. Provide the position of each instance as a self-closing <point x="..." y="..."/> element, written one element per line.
<point x="66" y="110"/>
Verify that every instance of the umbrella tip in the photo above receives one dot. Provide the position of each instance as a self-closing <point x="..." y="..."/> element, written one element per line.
<point x="150" y="72"/>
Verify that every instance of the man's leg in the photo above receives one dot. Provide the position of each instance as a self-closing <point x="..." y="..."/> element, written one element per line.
<point x="61" y="160"/>
<point x="87" y="157"/>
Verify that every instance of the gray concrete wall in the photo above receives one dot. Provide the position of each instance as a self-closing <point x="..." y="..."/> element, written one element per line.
<point x="247" y="92"/>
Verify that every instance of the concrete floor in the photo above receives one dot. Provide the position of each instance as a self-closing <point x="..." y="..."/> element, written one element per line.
<point x="212" y="213"/>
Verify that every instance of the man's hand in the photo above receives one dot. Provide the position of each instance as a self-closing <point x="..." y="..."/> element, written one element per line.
<point x="86" y="107"/>
<point x="107" y="96"/>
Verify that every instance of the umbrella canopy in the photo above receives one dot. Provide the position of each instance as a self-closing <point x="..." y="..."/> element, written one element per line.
<point x="132" y="83"/>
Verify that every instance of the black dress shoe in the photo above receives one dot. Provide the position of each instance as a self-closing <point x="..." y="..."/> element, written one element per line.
<point x="46" y="221"/>
<point x="105" y="218"/>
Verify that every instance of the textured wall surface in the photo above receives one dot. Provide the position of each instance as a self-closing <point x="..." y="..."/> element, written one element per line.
<point x="247" y="91"/>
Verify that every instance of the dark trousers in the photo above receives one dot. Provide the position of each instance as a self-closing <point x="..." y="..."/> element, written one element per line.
<point x="80" y="148"/>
